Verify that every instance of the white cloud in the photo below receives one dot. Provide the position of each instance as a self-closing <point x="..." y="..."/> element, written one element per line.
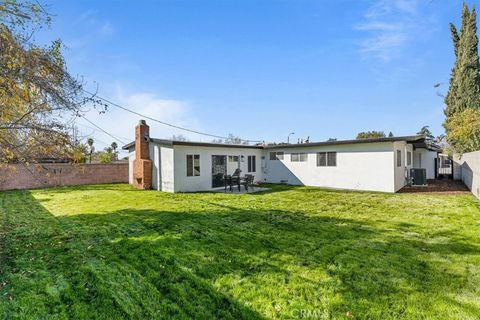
<point x="106" y="29"/>
<point x="90" y="19"/>
<point x="121" y="123"/>
<point x="389" y="25"/>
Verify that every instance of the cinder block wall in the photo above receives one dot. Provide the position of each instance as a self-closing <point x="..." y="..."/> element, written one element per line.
<point x="20" y="176"/>
<point x="470" y="170"/>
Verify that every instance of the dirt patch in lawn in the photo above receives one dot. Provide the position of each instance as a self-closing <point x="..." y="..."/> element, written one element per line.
<point x="438" y="186"/>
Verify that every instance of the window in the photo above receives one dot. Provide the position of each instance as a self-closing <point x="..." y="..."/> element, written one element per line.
<point x="409" y="158"/>
<point x="399" y="158"/>
<point x="321" y="159"/>
<point x="326" y="159"/>
<point x="252" y="166"/>
<point x="331" y="159"/>
<point x="193" y="165"/>
<point x="276" y="155"/>
<point x="232" y="158"/>
<point x="298" y="157"/>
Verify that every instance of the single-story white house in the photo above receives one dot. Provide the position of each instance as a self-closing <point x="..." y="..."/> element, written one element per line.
<point x="369" y="164"/>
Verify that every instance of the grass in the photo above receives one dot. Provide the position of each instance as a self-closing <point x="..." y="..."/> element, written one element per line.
<point x="113" y="252"/>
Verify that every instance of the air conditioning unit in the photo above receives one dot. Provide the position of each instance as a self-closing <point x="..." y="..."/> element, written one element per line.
<point x="418" y="177"/>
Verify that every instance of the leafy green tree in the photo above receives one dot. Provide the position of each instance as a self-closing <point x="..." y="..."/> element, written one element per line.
<point x="464" y="89"/>
<point x="371" y="135"/>
<point x="77" y="154"/>
<point x="390" y="134"/>
<point x="464" y="130"/>
<point x="106" y="156"/>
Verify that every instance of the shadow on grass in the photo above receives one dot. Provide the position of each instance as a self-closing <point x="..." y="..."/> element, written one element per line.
<point x="230" y="264"/>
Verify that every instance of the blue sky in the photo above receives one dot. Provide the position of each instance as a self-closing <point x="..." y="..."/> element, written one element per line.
<point x="261" y="69"/>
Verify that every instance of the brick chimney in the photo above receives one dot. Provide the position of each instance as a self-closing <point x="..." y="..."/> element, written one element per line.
<point x="142" y="165"/>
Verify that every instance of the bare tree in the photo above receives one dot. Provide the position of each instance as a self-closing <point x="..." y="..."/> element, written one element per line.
<point x="232" y="139"/>
<point x="179" y="137"/>
<point x="39" y="99"/>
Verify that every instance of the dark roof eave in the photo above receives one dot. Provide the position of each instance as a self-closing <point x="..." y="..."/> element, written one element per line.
<point x="170" y="143"/>
<point x="128" y="145"/>
<point x="408" y="139"/>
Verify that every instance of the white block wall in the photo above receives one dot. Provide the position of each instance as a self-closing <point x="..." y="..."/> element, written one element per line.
<point x="366" y="166"/>
<point x="469" y="164"/>
<point x="401" y="172"/>
<point x="131" y="157"/>
<point x="167" y="169"/>
<point x="424" y="158"/>
<point x="204" y="181"/>
<point x="359" y="167"/>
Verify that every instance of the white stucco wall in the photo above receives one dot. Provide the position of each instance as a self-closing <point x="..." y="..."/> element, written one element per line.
<point x="131" y="157"/>
<point x="401" y="172"/>
<point x="154" y="152"/>
<point x="167" y="169"/>
<point x="427" y="161"/>
<point x="204" y="181"/>
<point x="470" y="170"/>
<point x="366" y="166"/>
<point x="457" y="167"/>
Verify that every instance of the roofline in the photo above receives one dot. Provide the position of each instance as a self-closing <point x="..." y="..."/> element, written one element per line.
<point x="171" y="143"/>
<point x="342" y="142"/>
<point x="277" y="146"/>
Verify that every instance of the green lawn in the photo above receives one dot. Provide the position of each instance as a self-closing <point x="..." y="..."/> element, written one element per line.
<point x="112" y="252"/>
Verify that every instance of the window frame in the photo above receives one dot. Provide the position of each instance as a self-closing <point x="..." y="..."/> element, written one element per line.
<point x="324" y="159"/>
<point x="302" y="157"/>
<point x="251" y="164"/>
<point x="232" y="158"/>
<point x="192" y="169"/>
<point x="277" y="155"/>
<point x="321" y="159"/>
<point x="409" y="158"/>
<point x="399" y="158"/>
<point x="334" y="163"/>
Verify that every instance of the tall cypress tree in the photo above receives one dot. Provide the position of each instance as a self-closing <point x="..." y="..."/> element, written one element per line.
<point x="464" y="90"/>
<point x="452" y="90"/>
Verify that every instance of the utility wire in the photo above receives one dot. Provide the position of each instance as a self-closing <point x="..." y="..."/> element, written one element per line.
<point x="101" y="129"/>
<point x="96" y="130"/>
<point x="163" y="122"/>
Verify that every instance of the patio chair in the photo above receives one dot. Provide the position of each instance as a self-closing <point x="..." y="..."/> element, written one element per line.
<point x="228" y="182"/>
<point x="236" y="178"/>
<point x="218" y="179"/>
<point x="248" y="182"/>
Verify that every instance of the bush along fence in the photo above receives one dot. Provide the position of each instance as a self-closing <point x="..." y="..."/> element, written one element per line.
<point x="20" y="176"/>
<point x="469" y="164"/>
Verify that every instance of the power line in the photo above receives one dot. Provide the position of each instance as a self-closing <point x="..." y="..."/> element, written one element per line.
<point x="103" y="143"/>
<point x="96" y="130"/>
<point x="107" y="133"/>
<point x="163" y="122"/>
